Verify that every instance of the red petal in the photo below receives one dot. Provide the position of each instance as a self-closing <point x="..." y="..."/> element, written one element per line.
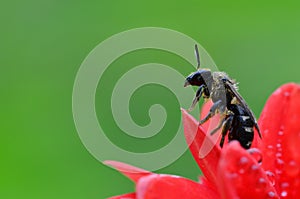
<point x="129" y="171"/>
<point x="280" y="125"/>
<point x="203" y="148"/>
<point x="125" y="196"/>
<point x="204" y="182"/>
<point x="241" y="177"/>
<point x="167" y="186"/>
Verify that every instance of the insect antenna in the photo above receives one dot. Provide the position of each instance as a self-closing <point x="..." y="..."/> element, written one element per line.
<point x="197" y="56"/>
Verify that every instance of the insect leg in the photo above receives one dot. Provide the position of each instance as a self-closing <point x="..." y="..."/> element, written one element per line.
<point x="226" y="127"/>
<point x="257" y="128"/>
<point x="196" y="98"/>
<point x="221" y="124"/>
<point x="212" y="111"/>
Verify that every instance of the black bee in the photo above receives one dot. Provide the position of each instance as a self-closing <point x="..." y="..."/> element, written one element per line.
<point x="236" y="116"/>
<point x="239" y="124"/>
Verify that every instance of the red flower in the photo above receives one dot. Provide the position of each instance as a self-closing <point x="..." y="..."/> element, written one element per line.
<point x="234" y="172"/>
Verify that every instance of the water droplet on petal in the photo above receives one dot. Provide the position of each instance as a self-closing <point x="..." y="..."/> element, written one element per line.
<point x="266" y="131"/>
<point x="261" y="184"/>
<point x="271" y="177"/>
<point x="270" y="150"/>
<point x="284" y="194"/>
<point x="286" y="94"/>
<point x="244" y="160"/>
<point x="278" y="155"/>
<point x="232" y="175"/>
<point x="278" y="145"/>
<point x="292" y="169"/>
<point x="279" y="161"/>
<point x="256" y="153"/>
<point x="284" y="185"/>
<point x="254" y="167"/>
<point x="271" y="194"/>
<point x="280" y="133"/>
<point x="241" y="171"/>
<point x="261" y="180"/>
<point x="242" y="164"/>
<point x="279" y="165"/>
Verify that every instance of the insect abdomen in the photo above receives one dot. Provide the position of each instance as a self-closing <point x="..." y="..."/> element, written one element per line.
<point x="242" y="128"/>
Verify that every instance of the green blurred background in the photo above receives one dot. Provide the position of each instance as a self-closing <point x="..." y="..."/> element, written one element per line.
<point x="44" y="42"/>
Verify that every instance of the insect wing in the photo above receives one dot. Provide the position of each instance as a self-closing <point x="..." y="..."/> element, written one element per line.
<point x="229" y="85"/>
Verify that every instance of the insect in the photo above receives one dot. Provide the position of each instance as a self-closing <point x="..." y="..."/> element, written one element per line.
<point x="236" y="116"/>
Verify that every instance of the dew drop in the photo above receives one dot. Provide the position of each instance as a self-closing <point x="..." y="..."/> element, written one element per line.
<point x="279" y="162"/>
<point x="244" y="160"/>
<point x="280" y="133"/>
<point x="241" y="171"/>
<point x="260" y="185"/>
<point x="271" y="194"/>
<point x="242" y="164"/>
<point x="292" y="169"/>
<point x="271" y="177"/>
<point x="279" y="165"/>
<point x="284" y="185"/>
<point x="256" y="153"/>
<point x="254" y="167"/>
<point x="270" y="150"/>
<point x="232" y="175"/>
<point x="278" y="155"/>
<point x="284" y="194"/>
<point x="261" y="180"/>
<point x="286" y="94"/>
<point x="266" y="131"/>
<point x="278" y="145"/>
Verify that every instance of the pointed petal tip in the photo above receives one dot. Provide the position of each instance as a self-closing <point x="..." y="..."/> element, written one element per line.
<point x="124" y="196"/>
<point x="182" y="109"/>
<point x="123" y="166"/>
<point x="132" y="172"/>
<point x="204" y="150"/>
